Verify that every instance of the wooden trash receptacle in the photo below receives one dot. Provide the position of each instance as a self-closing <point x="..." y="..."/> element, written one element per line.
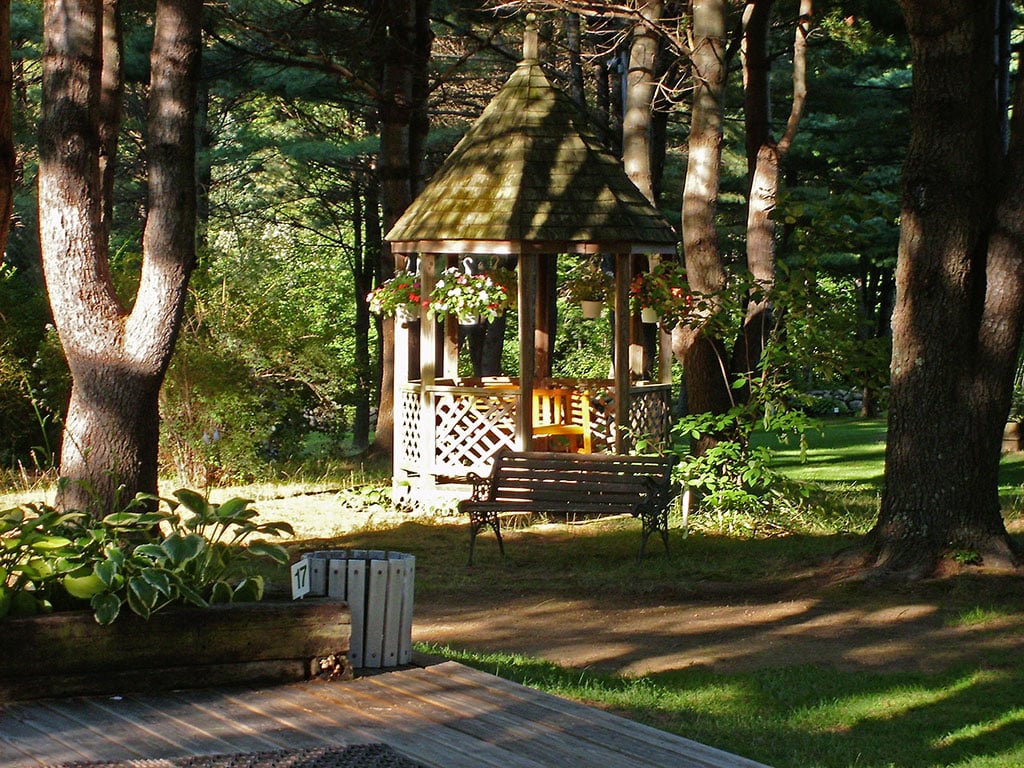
<point x="378" y="587"/>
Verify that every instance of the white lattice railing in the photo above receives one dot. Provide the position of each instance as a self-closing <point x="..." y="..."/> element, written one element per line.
<point x="471" y="424"/>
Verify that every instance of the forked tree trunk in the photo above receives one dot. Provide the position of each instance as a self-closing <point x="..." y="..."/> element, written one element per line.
<point x="710" y="368"/>
<point x="117" y="358"/>
<point x="960" y="286"/>
<point x="765" y="156"/>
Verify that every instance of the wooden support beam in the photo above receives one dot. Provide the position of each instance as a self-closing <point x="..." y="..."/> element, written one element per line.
<point x="622" y="348"/>
<point x="527" y="348"/>
<point x="428" y="374"/>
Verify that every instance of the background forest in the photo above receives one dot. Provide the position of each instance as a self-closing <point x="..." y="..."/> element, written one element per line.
<point x="279" y="363"/>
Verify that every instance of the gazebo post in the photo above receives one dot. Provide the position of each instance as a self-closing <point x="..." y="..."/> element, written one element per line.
<point x="664" y="338"/>
<point x="450" y="338"/>
<point x="400" y="379"/>
<point x="527" y="347"/>
<point x="428" y="374"/>
<point x="546" y="270"/>
<point x="622" y="344"/>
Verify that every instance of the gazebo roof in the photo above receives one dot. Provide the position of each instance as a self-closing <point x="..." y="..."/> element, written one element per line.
<point x="529" y="175"/>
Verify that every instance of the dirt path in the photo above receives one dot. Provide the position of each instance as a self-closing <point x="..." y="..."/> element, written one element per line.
<point x="736" y="630"/>
<point x="720" y="626"/>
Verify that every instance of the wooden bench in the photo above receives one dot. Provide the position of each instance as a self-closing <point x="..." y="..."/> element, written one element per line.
<point x="572" y="484"/>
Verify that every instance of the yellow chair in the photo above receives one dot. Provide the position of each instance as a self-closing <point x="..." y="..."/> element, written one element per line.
<point x="562" y="412"/>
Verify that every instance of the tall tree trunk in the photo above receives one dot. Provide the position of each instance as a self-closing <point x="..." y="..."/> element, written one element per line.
<point x="765" y="156"/>
<point x="639" y="100"/>
<point x="402" y="137"/>
<point x="362" y="276"/>
<point x="117" y="359"/>
<point x="638" y="127"/>
<point x="960" y="286"/>
<point x="111" y="101"/>
<point x="704" y="357"/>
<point x="204" y="162"/>
<point x="7" y="159"/>
<point x="573" y="44"/>
<point x="373" y="249"/>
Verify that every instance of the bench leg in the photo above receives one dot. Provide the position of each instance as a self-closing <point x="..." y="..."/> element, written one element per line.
<point x="651" y="522"/>
<point x="476" y="523"/>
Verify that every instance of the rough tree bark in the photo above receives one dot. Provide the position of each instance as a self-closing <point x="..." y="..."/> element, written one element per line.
<point x="403" y="125"/>
<point x="710" y="368"/>
<point x="960" y="286"/>
<point x="117" y="357"/>
<point x="7" y="159"/>
<point x="703" y="355"/>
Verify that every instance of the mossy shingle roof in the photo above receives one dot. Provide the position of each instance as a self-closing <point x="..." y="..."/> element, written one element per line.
<point x="529" y="174"/>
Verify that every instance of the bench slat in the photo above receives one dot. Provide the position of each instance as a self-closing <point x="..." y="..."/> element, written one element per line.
<point x="568" y="483"/>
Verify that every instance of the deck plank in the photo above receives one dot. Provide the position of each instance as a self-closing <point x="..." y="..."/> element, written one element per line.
<point x="411" y="728"/>
<point x="555" y="729"/>
<point x="691" y="752"/>
<point x="440" y="714"/>
<point x="506" y="723"/>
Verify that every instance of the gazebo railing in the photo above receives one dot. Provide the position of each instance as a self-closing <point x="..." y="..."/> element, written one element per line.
<point x="472" y="423"/>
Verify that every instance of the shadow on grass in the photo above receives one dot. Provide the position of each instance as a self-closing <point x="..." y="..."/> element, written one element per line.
<point x="799" y="717"/>
<point x="747" y="645"/>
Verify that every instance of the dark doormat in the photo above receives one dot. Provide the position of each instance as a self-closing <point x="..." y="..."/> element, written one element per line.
<point x="352" y="756"/>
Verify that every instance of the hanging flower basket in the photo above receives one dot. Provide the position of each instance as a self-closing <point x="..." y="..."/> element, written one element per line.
<point x="486" y="295"/>
<point x="401" y="293"/>
<point x="591" y="309"/>
<point x="408" y="313"/>
<point x="661" y="295"/>
<point x="586" y="281"/>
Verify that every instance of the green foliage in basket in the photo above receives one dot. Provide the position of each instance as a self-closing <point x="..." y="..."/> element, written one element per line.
<point x="587" y="281"/>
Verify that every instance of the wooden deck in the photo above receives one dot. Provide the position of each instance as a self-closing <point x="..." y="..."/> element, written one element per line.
<point x="440" y="714"/>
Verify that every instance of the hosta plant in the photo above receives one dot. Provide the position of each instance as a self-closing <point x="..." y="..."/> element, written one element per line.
<point x="156" y="553"/>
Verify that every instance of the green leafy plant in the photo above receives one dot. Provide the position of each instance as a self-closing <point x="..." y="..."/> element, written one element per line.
<point x="32" y="546"/>
<point x="732" y="475"/>
<point x="664" y="289"/>
<point x="734" y="478"/>
<point x="155" y="553"/>
<point x="586" y="281"/>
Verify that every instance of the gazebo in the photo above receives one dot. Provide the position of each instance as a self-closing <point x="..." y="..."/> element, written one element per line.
<point x="528" y="179"/>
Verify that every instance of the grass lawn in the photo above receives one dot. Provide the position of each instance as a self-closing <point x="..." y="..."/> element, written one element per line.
<point x="803" y="713"/>
<point x="794" y="711"/>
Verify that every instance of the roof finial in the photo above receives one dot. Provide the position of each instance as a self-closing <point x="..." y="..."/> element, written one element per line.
<point x="530" y="38"/>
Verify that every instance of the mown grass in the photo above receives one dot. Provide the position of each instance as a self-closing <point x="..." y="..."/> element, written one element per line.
<point x="809" y="713"/>
<point x="801" y="713"/>
<point x="806" y="714"/>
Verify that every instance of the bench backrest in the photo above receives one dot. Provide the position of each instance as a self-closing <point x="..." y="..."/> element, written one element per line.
<point x="609" y="478"/>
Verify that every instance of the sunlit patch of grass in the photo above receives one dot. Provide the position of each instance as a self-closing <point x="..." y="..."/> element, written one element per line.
<point x="806" y="716"/>
<point x="979" y="615"/>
